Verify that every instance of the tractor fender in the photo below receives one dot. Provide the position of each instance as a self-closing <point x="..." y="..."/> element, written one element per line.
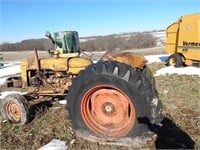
<point x="76" y="64"/>
<point x="129" y="58"/>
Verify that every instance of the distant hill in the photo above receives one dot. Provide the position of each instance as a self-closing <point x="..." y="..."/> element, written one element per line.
<point x="159" y="34"/>
<point x="124" y="41"/>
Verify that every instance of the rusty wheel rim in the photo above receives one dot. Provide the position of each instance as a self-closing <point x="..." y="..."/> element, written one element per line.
<point x="13" y="112"/>
<point x="172" y="61"/>
<point x="108" y="111"/>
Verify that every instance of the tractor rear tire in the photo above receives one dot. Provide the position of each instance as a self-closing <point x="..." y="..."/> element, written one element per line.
<point x="175" y="60"/>
<point x="15" y="109"/>
<point x="110" y="100"/>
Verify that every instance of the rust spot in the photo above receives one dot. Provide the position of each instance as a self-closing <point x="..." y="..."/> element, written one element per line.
<point x="129" y="58"/>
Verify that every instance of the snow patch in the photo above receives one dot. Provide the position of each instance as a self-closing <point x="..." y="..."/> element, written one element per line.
<point x="10" y="69"/>
<point x="156" y="58"/>
<point x="2" y="80"/>
<point x="54" y="145"/>
<point x="182" y="71"/>
<point x="5" y="93"/>
<point x="63" y="102"/>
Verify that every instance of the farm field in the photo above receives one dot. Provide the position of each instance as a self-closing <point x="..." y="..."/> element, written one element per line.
<point x="180" y="95"/>
<point x="21" y="55"/>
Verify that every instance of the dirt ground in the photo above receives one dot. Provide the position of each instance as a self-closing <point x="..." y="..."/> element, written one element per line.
<point x="178" y="93"/>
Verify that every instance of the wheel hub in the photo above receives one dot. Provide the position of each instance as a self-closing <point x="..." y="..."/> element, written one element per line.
<point x="172" y="61"/>
<point x="108" y="111"/>
<point x="108" y="108"/>
<point x="13" y="112"/>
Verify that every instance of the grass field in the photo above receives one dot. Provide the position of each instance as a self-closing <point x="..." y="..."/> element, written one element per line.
<point x="180" y="95"/>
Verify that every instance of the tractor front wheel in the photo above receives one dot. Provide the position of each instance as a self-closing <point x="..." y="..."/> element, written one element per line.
<point x="15" y="109"/>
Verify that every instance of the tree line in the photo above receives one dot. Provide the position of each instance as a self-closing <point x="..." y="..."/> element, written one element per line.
<point x="141" y="40"/>
<point x="30" y="44"/>
<point x="99" y="43"/>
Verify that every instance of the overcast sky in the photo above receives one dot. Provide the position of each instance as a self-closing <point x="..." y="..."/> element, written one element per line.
<point x="25" y="19"/>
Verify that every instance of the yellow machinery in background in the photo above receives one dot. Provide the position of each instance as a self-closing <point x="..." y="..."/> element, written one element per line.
<point x="183" y="41"/>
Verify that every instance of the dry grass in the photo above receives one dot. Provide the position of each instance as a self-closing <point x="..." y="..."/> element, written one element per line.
<point x="180" y="96"/>
<point x="51" y="124"/>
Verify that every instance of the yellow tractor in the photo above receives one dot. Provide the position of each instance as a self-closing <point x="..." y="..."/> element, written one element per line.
<point x="112" y="99"/>
<point x="183" y="41"/>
